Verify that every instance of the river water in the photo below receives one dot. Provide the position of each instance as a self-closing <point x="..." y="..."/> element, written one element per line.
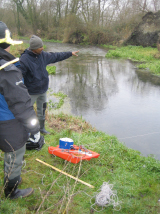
<point x="112" y="95"/>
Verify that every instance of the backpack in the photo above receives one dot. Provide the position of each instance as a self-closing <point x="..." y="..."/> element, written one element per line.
<point x="35" y="142"/>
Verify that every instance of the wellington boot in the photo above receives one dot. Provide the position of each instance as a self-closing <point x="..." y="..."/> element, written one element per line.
<point x="20" y="181"/>
<point x="18" y="193"/>
<point x="17" y="181"/>
<point x="43" y="131"/>
<point x="11" y="191"/>
<point x="42" y="128"/>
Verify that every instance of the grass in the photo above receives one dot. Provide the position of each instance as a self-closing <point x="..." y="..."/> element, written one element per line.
<point x="17" y="50"/>
<point x="51" y="40"/>
<point x="135" y="178"/>
<point x="148" y="58"/>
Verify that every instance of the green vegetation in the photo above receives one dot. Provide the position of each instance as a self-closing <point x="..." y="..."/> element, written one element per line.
<point x="17" y="50"/>
<point x="148" y="58"/>
<point x="135" y="178"/>
<point x="51" y="69"/>
<point x="56" y="105"/>
<point x="51" y="40"/>
<point x="109" y="46"/>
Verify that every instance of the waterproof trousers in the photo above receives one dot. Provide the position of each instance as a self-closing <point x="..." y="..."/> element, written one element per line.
<point x="41" y="101"/>
<point x="13" y="162"/>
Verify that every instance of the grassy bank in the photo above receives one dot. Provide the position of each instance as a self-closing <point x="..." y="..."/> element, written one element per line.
<point x="135" y="178"/>
<point x="147" y="58"/>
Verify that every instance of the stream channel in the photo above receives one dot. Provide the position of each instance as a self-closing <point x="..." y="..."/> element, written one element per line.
<point x="112" y="95"/>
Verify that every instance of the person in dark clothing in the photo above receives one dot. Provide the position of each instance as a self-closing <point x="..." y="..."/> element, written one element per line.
<point x="33" y="64"/>
<point x="17" y="117"/>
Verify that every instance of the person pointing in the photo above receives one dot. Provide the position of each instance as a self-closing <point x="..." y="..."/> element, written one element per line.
<point x="33" y="64"/>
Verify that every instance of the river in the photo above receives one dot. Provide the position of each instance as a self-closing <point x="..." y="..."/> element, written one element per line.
<point x="112" y="95"/>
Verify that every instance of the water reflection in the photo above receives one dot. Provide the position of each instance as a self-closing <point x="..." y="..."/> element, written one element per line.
<point x="112" y="95"/>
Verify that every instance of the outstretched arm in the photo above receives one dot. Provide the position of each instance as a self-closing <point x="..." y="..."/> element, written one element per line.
<point x="51" y="57"/>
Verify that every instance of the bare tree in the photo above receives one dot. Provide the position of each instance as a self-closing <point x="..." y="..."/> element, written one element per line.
<point x="156" y="5"/>
<point x="53" y="17"/>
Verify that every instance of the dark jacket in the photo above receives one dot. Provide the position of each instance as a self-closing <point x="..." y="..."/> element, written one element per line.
<point x="34" y="71"/>
<point x="16" y="111"/>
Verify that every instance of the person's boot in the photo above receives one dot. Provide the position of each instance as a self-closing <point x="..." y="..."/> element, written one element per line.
<point x="42" y="127"/>
<point x="12" y="192"/>
<point x="20" y="181"/>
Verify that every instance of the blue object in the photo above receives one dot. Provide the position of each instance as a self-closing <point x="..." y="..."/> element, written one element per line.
<point x="65" y="143"/>
<point x="5" y="113"/>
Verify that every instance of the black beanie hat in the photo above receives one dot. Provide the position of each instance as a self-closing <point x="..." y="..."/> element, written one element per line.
<point x="3" y="28"/>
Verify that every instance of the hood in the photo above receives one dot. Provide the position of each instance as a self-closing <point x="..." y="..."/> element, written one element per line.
<point x="28" y="51"/>
<point x="7" y="57"/>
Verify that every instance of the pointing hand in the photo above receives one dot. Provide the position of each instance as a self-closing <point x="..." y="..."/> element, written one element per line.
<point x="74" y="53"/>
